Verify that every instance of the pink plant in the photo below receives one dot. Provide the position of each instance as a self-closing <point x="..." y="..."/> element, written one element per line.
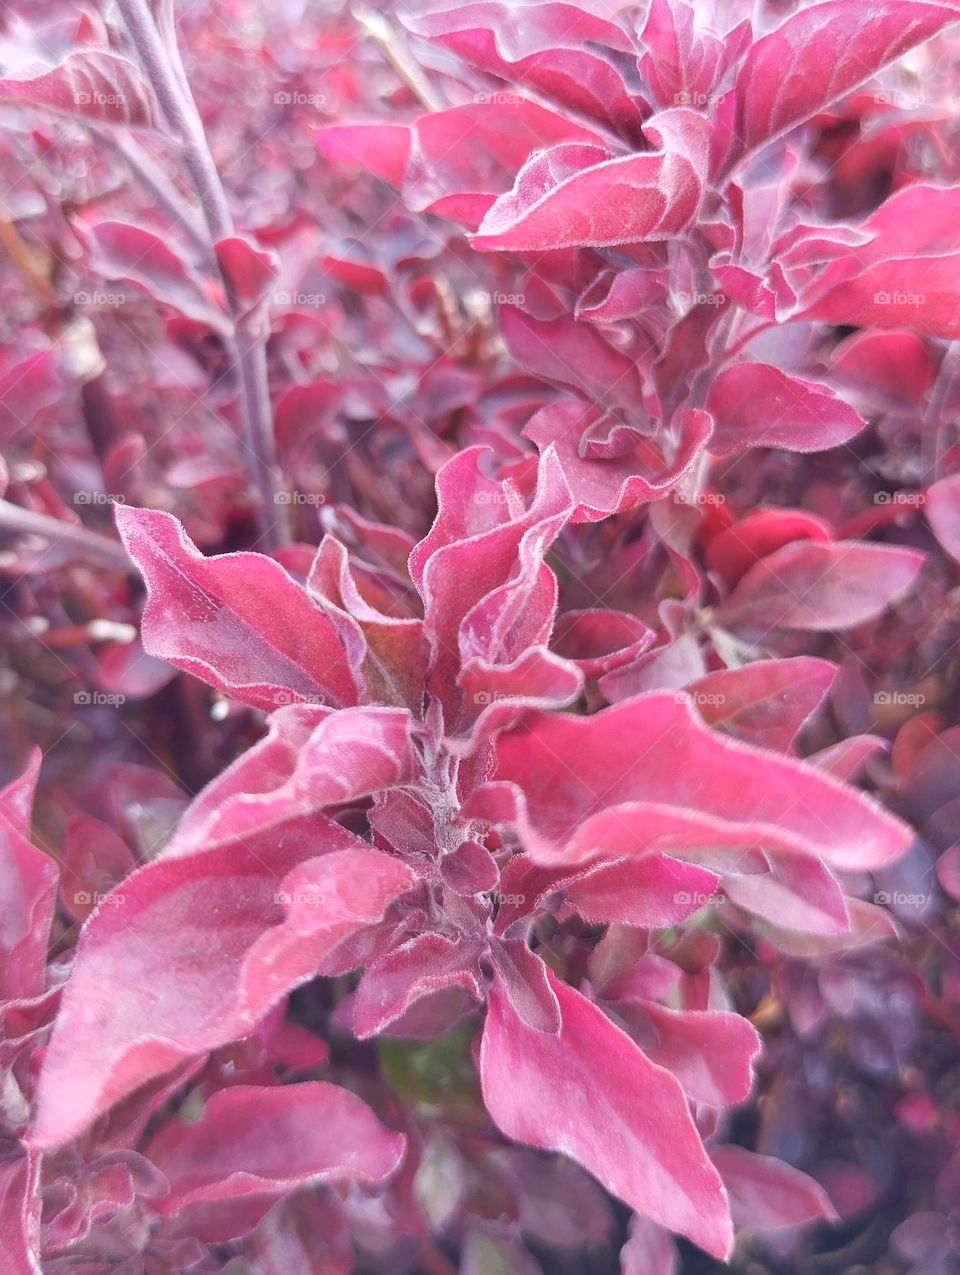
<point x="481" y="847"/>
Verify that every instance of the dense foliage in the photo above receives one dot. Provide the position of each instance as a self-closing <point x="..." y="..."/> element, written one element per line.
<point x="481" y="532"/>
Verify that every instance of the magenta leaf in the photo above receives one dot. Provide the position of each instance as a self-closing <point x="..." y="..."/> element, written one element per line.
<point x="20" y="1212"/>
<point x="816" y="585"/>
<point x="28" y="892"/>
<point x="238" y="620"/>
<point x="820" y="52"/>
<point x="248" y="269"/>
<point x="260" y="1141"/>
<point x="649" y="1250"/>
<point x="425" y="964"/>
<point x="654" y="892"/>
<point x="195" y="951"/>
<point x="756" y="405"/>
<point x="942" y="509"/>
<point x="570" y="55"/>
<point x="579" y="195"/>
<point x="796" y="894"/>
<point x="628" y="1125"/>
<point x="766" y="1194"/>
<point x="644" y="467"/>
<point x="712" y="1053"/>
<point x="525" y="982"/>
<point x="766" y="703"/>
<point x="132" y="254"/>
<point x="93" y="85"/>
<point x="646" y="775"/>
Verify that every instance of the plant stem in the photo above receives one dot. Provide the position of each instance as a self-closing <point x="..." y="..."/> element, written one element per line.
<point x="247" y="348"/>
<point x="14" y="518"/>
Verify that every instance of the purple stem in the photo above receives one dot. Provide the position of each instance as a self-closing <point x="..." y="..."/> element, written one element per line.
<point x="247" y="349"/>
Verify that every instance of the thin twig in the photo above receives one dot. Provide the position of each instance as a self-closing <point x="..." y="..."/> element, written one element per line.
<point x="14" y="518"/>
<point x="391" y="46"/>
<point x="246" y="347"/>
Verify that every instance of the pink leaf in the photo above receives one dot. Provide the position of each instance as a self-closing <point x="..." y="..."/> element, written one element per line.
<point x="646" y="775"/>
<point x="796" y="894"/>
<point x="20" y="1212"/>
<point x="309" y="760"/>
<point x="766" y="1194"/>
<point x="654" y="892"/>
<point x="258" y="1141"/>
<point x="427" y="963"/>
<point x="563" y="51"/>
<point x="942" y="508"/>
<point x="712" y="1054"/>
<point x="815" y="585"/>
<point x="92" y="85"/>
<point x="119" y="250"/>
<point x="627" y="1123"/>
<point x="645" y="469"/>
<point x="195" y="951"/>
<point x="238" y="620"/>
<point x="756" y="405"/>
<point x="765" y="703"/>
<point x="578" y="195"/>
<point x="28" y="886"/>
<point x="818" y="54"/>
<point x="249" y="270"/>
<point x="525" y="982"/>
<point x="649" y="1250"/>
<point x="27" y="389"/>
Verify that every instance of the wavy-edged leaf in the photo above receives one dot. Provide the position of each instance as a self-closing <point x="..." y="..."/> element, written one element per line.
<point x="626" y="1122"/>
